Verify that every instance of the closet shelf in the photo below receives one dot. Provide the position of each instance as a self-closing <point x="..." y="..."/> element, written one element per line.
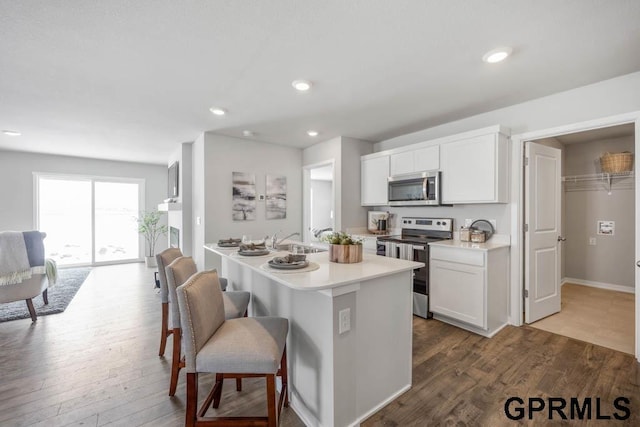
<point x="597" y="176"/>
<point x="605" y="178"/>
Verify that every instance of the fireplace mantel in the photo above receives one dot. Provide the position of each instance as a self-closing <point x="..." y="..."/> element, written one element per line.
<point x="169" y="207"/>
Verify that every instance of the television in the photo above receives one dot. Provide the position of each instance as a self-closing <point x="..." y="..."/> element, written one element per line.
<point x="172" y="182"/>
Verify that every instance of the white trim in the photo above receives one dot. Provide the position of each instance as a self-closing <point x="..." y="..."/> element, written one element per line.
<point x="381" y="405"/>
<point x="600" y="285"/>
<point x="517" y="250"/>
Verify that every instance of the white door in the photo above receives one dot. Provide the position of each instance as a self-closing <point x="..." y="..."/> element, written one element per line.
<point x="542" y="231"/>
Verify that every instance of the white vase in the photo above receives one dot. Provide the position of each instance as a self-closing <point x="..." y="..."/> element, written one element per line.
<point x="150" y="261"/>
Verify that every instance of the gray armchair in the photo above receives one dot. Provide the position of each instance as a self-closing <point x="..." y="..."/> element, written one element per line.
<point x="12" y="247"/>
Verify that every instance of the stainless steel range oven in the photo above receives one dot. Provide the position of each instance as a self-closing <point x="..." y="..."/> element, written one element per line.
<point x="413" y="245"/>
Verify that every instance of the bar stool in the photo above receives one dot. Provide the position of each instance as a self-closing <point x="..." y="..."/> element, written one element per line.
<point x="163" y="259"/>
<point x="235" y="305"/>
<point x="235" y="348"/>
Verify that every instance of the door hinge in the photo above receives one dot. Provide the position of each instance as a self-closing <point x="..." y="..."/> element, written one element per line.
<point x="526" y="228"/>
<point x="526" y="293"/>
<point x="526" y="161"/>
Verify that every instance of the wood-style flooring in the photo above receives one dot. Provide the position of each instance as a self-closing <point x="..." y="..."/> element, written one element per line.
<point x="594" y="315"/>
<point x="96" y="364"/>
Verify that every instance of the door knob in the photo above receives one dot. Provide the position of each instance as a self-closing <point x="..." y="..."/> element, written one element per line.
<point x="561" y="239"/>
<point x="638" y="263"/>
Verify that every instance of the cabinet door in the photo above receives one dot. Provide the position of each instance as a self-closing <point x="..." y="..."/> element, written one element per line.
<point x="401" y="163"/>
<point x="473" y="170"/>
<point x="427" y="159"/>
<point x="374" y="181"/>
<point x="458" y="291"/>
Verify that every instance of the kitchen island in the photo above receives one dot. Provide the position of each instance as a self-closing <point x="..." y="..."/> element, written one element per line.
<point x="350" y="329"/>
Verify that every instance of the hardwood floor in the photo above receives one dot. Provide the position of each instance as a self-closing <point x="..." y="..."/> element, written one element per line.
<point x="598" y="316"/>
<point x="96" y="364"/>
<point x="463" y="379"/>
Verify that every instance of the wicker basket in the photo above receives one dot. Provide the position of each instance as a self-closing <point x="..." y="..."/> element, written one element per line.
<point x="616" y="162"/>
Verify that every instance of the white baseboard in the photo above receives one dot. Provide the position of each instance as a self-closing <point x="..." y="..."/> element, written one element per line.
<point x="381" y="405"/>
<point x="601" y="285"/>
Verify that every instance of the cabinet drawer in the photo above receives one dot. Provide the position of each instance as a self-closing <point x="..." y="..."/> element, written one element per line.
<point x="462" y="256"/>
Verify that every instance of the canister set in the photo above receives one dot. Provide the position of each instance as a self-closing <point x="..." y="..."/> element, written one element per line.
<point x="477" y="235"/>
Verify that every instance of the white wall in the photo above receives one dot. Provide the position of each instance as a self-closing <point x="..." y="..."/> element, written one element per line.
<point x="346" y="153"/>
<point x="603" y="99"/>
<point x="330" y="150"/>
<point x="182" y="219"/>
<point x="198" y="199"/>
<point x="16" y="176"/>
<point x="223" y="155"/>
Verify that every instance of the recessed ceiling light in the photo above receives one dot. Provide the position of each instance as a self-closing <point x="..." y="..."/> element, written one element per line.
<point x="497" y="55"/>
<point x="301" y="85"/>
<point x="11" y="132"/>
<point x="218" y="111"/>
<point x="312" y="132"/>
<point x="248" y="133"/>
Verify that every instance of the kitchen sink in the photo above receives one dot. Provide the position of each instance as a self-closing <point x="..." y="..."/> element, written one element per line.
<point x="305" y="249"/>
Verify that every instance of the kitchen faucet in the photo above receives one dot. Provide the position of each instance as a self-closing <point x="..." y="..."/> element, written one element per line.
<point x="317" y="233"/>
<point x="274" y="239"/>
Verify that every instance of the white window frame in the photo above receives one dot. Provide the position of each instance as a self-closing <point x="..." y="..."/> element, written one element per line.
<point x="93" y="179"/>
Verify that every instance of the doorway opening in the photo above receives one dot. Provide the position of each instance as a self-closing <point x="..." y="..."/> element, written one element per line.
<point x="88" y="220"/>
<point x="319" y="201"/>
<point x="596" y="241"/>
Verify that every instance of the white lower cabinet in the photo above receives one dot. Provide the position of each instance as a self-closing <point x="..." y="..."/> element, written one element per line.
<point x="468" y="287"/>
<point x="458" y="291"/>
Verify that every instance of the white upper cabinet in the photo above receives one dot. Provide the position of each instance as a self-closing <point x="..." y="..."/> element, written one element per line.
<point x="374" y="180"/>
<point x="419" y="160"/>
<point x="475" y="170"/>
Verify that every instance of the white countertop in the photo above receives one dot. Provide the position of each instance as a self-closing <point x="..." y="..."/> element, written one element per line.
<point x="329" y="275"/>
<point x="487" y="246"/>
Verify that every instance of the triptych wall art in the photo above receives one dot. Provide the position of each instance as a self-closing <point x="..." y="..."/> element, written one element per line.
<point x="244" y="196"/>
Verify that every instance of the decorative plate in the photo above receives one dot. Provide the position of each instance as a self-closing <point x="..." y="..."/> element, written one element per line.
<point x="254" y="252"/>
<point x="288" y="266"/>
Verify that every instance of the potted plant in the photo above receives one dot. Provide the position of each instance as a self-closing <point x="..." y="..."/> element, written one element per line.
<point x="149" y="226"/>
<point x="343" y="248"/>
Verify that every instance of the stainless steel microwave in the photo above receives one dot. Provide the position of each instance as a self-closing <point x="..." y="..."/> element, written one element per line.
<point x="417" y="189"/>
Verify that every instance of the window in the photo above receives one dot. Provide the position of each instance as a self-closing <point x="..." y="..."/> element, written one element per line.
<point x="89" y="220"/>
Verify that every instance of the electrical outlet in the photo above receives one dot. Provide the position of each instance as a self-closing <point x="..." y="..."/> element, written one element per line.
<point x="198" y="221"/>
<point x="592" y="241"/>
<point x="344" y="317"/>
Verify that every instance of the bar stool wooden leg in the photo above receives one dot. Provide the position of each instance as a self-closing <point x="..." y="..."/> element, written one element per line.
<point x="271" y="401"/>
<point x="164" y="332"/>
<point x="176" y="362"/>
<point x="192" y="400"/>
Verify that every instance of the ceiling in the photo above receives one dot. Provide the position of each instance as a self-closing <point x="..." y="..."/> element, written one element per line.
<point x="128" y="80"/>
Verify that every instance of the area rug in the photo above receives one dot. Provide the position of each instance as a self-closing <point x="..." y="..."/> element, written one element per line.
<point x="60" y="295"/>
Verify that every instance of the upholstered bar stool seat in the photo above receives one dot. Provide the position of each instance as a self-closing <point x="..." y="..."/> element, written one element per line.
<point x="236" y="348"/>
<point x="246" y="345"/>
